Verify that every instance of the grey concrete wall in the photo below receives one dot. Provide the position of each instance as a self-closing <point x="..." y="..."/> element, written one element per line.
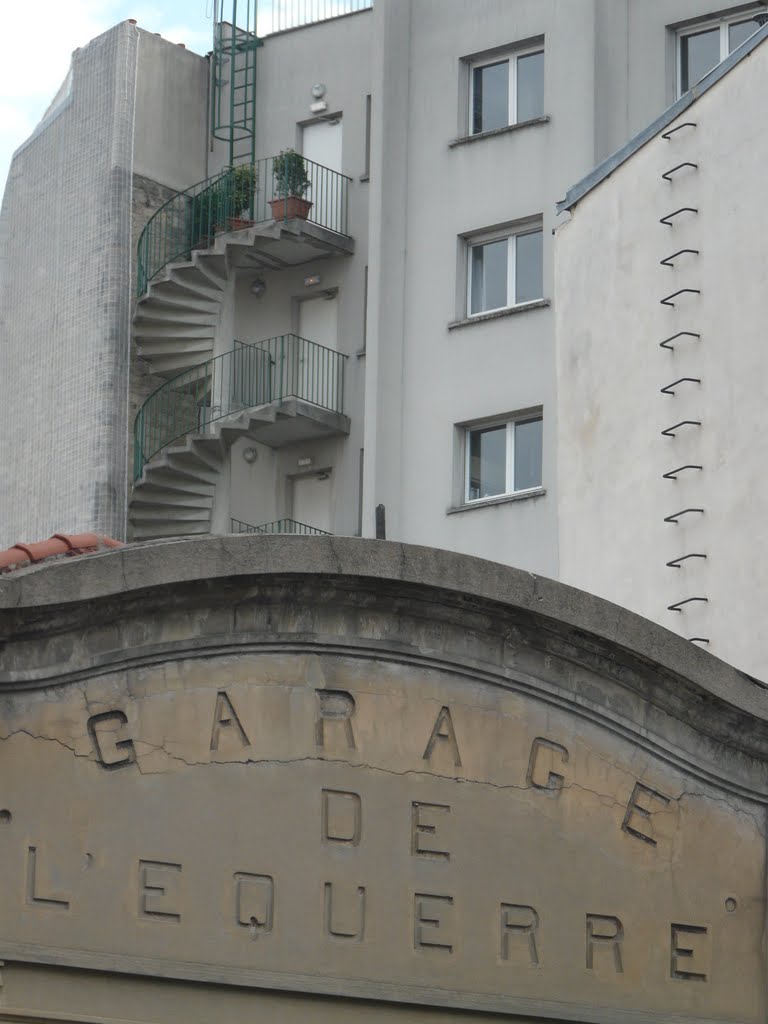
<point x="171" y="133"/>
<point x="65" y="300"/>
<point x="612" y="456"/>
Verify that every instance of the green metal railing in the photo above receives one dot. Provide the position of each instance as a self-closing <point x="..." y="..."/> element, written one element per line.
<point x="279" y="526"/>
<point x="235" y="198"/>
<point x="245" y="377"/>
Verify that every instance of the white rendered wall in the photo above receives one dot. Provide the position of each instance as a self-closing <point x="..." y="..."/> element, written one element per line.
<point x="611" y="453"/>
<point x="609" y="66"/>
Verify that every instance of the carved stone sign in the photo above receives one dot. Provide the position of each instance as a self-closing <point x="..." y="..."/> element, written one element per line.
<point x="331" y="788"/>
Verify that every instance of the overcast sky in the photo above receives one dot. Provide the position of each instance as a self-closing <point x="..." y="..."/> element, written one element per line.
<point x="39" y="43"/>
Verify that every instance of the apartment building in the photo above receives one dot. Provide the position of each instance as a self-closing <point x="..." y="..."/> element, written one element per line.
<point x="180" y="356"/>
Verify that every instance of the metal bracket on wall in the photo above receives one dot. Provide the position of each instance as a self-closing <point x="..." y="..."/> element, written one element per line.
<point x="669" y="261"/>
<point x="675" y="563"/>
<point x="670" y="431"/>
<point x="679" y="604"/>
<point x="698" y="640"/>
<point x="680" y="334"/>
<point x="667" y="175"/>
<point x="672" y="474"/>
<point x="679" y="127"/>
<point x="667" y="301"/>
<point x="669" y="389"/>
<point x="676" y="515"/>
<point x="676" y="213"/>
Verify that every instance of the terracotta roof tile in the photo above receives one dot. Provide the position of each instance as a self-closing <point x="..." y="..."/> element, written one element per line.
<point x="22" y="555"/>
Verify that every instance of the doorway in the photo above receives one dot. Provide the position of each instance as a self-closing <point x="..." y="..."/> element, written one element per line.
<point x="311" y="501"/>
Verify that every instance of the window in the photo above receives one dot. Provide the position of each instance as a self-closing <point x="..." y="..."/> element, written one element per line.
<point x="504" y="272"/>
<point x="702" y="48"/>
<point x="506" y="91"/>
<point x="503" y="458"/>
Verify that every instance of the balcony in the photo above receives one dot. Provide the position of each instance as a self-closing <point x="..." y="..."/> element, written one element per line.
<point x="296" y="385"/>
<point x="253" y="208"/>
<point x="276" y="392"/>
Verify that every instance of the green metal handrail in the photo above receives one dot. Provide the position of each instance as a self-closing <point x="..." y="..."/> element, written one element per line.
<point x="235" y="198"/>
<point x="247" y="376"/>
<point x="278" y="526"/>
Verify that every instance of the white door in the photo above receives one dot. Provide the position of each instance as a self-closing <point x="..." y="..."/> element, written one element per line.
<point x="321" y="144"/>
<point x="320" y="368"/>
<point x="312" y="501"/>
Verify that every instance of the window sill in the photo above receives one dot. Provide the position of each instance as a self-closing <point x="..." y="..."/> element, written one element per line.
<point x="501" y="499"/>
<point x="497" y="131"/>
<point x="480" y="318"/>
<point x="364" y="177"/>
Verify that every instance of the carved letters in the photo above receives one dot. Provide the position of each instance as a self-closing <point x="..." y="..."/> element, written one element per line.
<point x="443" y="733"/>
<point x="106" y="747"/>
<point x="225" y="717"/>
<point x="636" y="809"/>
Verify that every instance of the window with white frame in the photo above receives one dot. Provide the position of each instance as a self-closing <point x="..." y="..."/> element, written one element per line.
<point x="702" y="47"/>
<point x="502" y="458"/>
<point x="506" y="90"/>
<point x="504" y="271"/>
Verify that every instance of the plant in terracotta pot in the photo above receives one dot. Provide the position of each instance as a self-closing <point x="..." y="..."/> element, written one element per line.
<point x="242" y="182"/>
<point x="291" y="181"/>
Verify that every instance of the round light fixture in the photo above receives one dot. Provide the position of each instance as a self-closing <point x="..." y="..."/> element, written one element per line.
<point x="258" y="287"/>
<point x="250" y="455"/>
<point x="318" y="90"/>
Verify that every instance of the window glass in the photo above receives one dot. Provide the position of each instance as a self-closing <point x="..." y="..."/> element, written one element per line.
<point x="528" y="267"/>
<point x="487" y="462"/>
<point x="699" y="53"/>
<point x="530" y="86"/>
<point x="528" y="454"/>
<point x="740" y="32"/>
<point x="490" y="97"/>
<point x="489" y="276"/>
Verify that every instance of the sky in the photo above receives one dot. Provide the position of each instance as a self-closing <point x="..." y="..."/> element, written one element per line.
<point x="40" y="43"/>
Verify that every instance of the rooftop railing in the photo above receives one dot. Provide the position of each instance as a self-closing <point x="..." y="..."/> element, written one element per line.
<point x="281" y="15"/>
<point x="248" y="376"/>
<point x="278" y="526"/>
<point x="236" y="198"/>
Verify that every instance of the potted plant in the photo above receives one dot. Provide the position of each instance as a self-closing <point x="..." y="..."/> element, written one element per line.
<point x="291" y="182"/>
<point x="241" y="185"/>
<point x="207" y="215"/>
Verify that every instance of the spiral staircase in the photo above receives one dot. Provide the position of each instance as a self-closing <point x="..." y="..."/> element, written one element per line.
<point x="187" y="263"/>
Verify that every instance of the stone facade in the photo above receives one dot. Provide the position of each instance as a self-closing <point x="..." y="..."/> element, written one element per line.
<point x="293" y="768"/>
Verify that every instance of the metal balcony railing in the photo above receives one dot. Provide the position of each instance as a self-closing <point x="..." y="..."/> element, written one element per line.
<point x="245" y="377"/>
<point x="236" y="198"/>
<point x="280" y="15"/>
<point x="278" y="526"/>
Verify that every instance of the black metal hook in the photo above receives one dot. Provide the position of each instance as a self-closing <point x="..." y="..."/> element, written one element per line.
<point x="676" y="213"/>
<point x="680" y="334"/>
<point x="668" y="262"/>
<point x="679" y="604"/>
<point x="675" y="563"/>
<point x="667" y="176"/>
<point x="667" y="301"/>
<point x="676" y="515"/>
<point x="686" y="124"/>
<point x="682" y="380"/>
<point x="670" y="431"/>
<point x="672" y="474"/>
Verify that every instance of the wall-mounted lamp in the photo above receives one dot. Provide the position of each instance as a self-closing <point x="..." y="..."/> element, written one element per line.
<point x="307" y="460"/>
<point x="319" y="106"/>
<point x="318" y="91"/>
<point x="250" y="455"/>
<point x="258" y="287"/>
<point x="311" y="279"/>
